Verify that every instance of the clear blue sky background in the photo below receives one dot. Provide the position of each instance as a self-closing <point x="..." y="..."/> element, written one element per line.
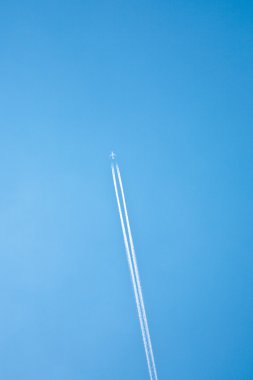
<point x="169" y="86"/>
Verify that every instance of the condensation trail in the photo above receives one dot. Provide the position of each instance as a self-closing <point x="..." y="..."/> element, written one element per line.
<point x="132" y="276"/>
<point x="137" y="276"/>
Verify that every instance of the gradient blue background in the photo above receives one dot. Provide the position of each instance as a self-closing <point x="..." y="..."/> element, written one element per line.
<point x="168" y="86"/>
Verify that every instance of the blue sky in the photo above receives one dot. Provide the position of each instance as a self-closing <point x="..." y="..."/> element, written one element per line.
<point x="168" y="86"/>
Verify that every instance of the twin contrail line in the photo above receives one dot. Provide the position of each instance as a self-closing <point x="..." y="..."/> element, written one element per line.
<point x="137" y="275"/>
<point x="132" y="273"/>
<point x="132" y="262"/>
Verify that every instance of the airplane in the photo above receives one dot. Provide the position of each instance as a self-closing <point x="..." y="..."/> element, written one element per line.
<point x="113" y="155"/>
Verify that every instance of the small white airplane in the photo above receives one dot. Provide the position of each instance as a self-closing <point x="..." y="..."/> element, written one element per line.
<point x="113" y="155"/>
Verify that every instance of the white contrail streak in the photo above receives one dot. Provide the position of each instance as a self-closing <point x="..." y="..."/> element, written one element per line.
<point x="132" y="276"/>
<point x="136" y="272"/>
